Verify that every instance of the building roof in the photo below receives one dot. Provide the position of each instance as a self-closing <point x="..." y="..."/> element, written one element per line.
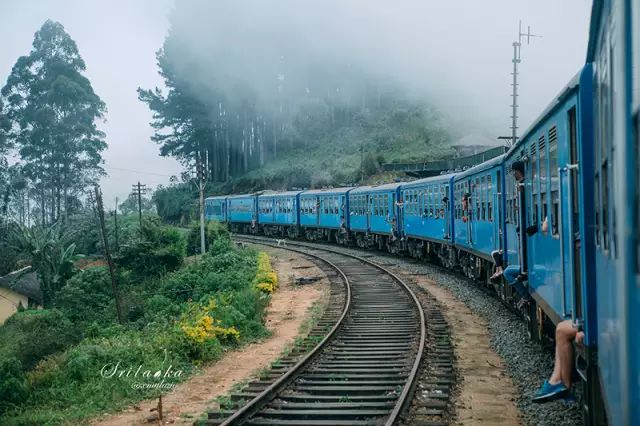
<point x="24" y="281"/>
<point x="476" y="140"/>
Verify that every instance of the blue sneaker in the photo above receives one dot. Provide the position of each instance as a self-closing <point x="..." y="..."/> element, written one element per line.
<point x="549" y="392"/>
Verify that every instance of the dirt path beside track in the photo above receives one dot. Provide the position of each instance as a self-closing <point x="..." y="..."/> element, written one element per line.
<point x="485" y="394"/>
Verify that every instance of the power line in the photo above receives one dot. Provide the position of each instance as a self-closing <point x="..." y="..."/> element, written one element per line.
<point x="137" y="171"/>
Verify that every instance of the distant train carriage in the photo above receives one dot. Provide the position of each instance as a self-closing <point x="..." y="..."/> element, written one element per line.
<point x="614" y="51"/>
<point x="477" y="216"/>
<point x="427" y="217"/>
<point x="374" y="216"/>
<point x="278" y="213"/>
<point x="242" y="211"/>
<point x="323" y="214"/>
<point x="215" y="208"/>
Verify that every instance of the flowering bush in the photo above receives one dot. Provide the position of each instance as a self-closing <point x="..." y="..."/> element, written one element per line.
<point x="199" y="324"/>
<point x="266" y="279"/>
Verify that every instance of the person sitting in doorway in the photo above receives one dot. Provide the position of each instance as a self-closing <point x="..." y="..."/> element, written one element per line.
<point x="559" y="384"/>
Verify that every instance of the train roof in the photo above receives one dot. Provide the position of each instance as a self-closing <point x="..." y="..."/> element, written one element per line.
<point x="328" y="190"/>
<point x="557" y="100"/>
<point x="482" y="166"/>
<point x="597" y="10"/>
<point x="377" y="188"/>
<point x="279" y="194"/>
<point x="217" y="197"/>
<point x="428" y="180"/>
<point x="230" y="197"/>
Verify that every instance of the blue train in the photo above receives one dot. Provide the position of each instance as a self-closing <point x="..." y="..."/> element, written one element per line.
<point x="571" y="225"/>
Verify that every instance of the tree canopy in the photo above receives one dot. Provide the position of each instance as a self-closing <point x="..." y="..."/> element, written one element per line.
<point x="48" y="115"/>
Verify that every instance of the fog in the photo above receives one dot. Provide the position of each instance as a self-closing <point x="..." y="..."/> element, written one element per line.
<point x="455" y="55"/>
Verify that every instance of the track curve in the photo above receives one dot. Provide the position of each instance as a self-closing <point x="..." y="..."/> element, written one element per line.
<point x="364" y="370"/>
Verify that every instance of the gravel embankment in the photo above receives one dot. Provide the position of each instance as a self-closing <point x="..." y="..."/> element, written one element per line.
<point x="528" y="363"/>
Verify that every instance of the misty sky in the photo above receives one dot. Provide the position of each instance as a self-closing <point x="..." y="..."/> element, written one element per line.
<point x="458" y="52"/>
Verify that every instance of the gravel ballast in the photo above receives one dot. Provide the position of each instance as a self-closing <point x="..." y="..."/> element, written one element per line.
<point x="528" y="363"/>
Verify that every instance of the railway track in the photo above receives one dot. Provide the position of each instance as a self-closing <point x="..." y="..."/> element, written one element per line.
<point x="362" y="372"/>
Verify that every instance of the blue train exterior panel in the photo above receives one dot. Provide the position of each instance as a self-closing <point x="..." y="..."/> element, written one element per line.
<point x="242" y="208"/>
<point x="279" y="208"/>
<point x="614" y="50"/>
<point x="375" y="209"/>
<point x="426" y="208"/>
<point x="477" y="204"/>
<point x="326" y="208"/>
<point x="215" y="208"/>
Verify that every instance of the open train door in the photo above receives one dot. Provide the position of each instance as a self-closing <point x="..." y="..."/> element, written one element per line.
<point x="570" y="237"/>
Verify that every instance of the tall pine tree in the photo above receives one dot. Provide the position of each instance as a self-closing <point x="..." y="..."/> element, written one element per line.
<point x="52" y="112"/>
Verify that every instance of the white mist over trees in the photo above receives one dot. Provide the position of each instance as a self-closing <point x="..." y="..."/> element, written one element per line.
<point x="251" y="85"/>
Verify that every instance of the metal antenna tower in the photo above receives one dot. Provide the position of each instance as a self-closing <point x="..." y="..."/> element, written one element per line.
<point x="516" y="60"/>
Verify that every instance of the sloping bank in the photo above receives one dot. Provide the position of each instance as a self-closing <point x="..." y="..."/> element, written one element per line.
<point x="67" y="364"/>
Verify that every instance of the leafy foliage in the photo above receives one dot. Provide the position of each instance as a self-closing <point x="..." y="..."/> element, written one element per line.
<point x="31" y="335"/>
<point x="156" y="249"/>
<point x="176" y="203"/>
<point x="49" y="115"/>
<point x="13" y="383"/>
<point x="51" y="253"/>
<point x="87" y="297"/>
<point x="216" y="238"/>
<point x="183" y="318"/>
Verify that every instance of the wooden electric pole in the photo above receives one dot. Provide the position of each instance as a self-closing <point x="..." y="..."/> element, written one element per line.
<point x="201" y="183"/>
<point x="138" y="190"/>
<point x="115" y="223"/>
<point x="107" y="254"/>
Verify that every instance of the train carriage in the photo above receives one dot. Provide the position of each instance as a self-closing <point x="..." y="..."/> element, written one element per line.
<point x="477" y="216"/>
<point x="427" y="217"/>
<point x="215" y="208"/>
<point x="278" y="213"/>
<point x="243" y="213"/>
<point x="374" y="216"/>
<point x="549" y="207"/>
<point x="614" y="51"/>
<point x="323" y="213"/>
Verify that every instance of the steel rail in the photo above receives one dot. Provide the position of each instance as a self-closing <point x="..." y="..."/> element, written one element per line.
<point x="407" y="391"/>
<point x="253" y="406"/>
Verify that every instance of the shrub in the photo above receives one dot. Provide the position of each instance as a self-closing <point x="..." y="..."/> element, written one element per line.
<point x="266" y="279"/>
<point x="216" y="238"/>
<point x="31" y="335"/>
<point x="13" y="383"/>
<point x="87" y="297"/>
<point x="154" y="251"/>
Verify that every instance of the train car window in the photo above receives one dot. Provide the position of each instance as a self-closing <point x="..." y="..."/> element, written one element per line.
<point x="603" y="108"/>
<point x="483" y="197"/>
<point x="636" y="151"/>
<point x="552" y="147"/>
<point x="489" y="199"/>
<point x="477" y="191"/>
<point x="542" y="155"/>
<point x="533" y="187"/>
<point x="456" y="194"/>
<point x="611" y="163"/>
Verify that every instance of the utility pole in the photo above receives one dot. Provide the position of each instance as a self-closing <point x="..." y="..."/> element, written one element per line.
<point x="201" y="184"/>
<point x="138" y="190"/>
<point x="115" y="222"/>
<point x="105" y="239"/>
<point x="516" y="60"/>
